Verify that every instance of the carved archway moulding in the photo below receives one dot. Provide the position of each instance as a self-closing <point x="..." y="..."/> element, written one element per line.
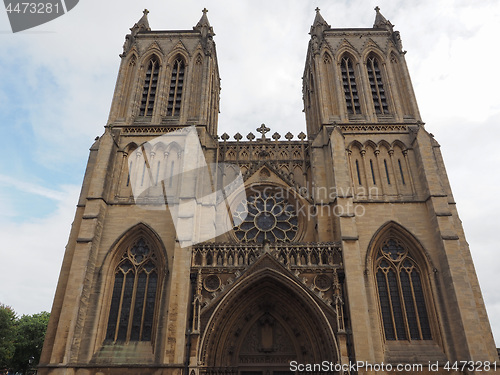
<point x="253" y="319"/>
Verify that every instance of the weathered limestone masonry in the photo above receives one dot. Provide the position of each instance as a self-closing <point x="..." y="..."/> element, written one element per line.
<point x="348" y="246"/>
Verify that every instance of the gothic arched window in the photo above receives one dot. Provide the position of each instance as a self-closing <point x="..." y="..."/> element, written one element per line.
<point x="127" y="86"/>
<point x="135" y="290"/>
<point x="176" y="86"/>
<point x="377" y="86"/>
<point x="349" y="84"/>
<point x="401" y="293"/>
<point x="149" y="87"/>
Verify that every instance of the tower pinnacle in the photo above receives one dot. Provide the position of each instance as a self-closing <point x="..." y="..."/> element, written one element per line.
<point x="381" y="22"/>
<point x="203" y="22"/>
<point x="319" y="25"/>
<point x="203" y="25"/>
<point x="142" y="24"/>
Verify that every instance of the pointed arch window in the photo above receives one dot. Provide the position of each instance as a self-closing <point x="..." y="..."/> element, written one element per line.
<point x="127" y="86"/>
<point x="149" y="87"/>
<point x="349" y="85"/>
<point x="134" y="295"/>
<point x="176" y="87"/>
<point x="401" y="293"/>
<point x="358" y="173"/>
<point x="377" y="86"/>
<point x="373" y="172"/>
<point x="197" y="79"/>
<point x="327" y="59"/>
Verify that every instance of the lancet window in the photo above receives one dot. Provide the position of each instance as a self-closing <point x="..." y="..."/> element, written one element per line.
<point x="149" y="87"/>
<point x="349" y="85"/>
<point x="377" y="86"/>
<point x="176" y="88"/>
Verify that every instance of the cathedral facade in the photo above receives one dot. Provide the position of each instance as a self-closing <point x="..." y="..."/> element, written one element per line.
<point x="344" y="245"/>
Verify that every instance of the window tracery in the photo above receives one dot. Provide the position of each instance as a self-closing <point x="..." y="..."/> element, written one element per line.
<point x="401" y="293"/>
<point x="134" y="295"/>
<point x="270" y="217"/>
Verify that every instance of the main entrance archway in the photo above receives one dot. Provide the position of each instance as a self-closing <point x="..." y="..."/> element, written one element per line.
<point x="265" y="321"/>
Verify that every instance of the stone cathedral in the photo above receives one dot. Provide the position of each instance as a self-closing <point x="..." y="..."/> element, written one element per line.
<point x="347" y="245"/>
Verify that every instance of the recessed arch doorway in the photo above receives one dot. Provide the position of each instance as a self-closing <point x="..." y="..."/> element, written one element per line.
<point x="265" y="321"/>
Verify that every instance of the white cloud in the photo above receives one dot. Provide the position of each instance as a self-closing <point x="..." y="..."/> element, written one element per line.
<point x="31" y="188"/>
<point x="32" y="254"/>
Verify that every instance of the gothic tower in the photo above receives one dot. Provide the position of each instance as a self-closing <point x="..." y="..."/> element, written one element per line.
<point x="125" y="279"/>
<point x="194" y="254"/>
<point x="411" y="287"/>
<point x="179" y="78"/>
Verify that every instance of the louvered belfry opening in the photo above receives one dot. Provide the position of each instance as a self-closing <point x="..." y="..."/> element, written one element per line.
<point x="149" y="88"/>
<point x="349" y="84"/>
<point x="377" y="86"/>
<point x="176" y="86"/>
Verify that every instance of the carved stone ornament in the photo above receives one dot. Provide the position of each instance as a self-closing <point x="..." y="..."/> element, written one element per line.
<point x="212" y="283"/>
<point x="322" y="282"/>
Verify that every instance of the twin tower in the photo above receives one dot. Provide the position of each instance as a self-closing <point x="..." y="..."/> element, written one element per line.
<point x="343" y="246"/>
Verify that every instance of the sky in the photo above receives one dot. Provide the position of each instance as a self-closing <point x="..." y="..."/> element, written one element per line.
<point x="57" y="82"/>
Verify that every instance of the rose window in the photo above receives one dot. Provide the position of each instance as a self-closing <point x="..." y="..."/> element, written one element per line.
<point x="270" y="217"/>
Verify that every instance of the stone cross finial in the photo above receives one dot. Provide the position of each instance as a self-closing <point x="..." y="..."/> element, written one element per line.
<point x="376" y="8"/>
<point x="263" y="130"/>
<point x="145" y="11"/>
<point x="205" y="10"/>
<point x="317" y="10"/>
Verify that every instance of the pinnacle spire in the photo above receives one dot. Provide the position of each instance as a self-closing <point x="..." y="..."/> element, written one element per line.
<point x="319" y="20"/>
<point x="381" y="22"/>
<point x="207" y="33"/>
<point x="204" y="19"/>
<point x="142" y="24"/>
<point x="203" y="24"/>
<point x="319" y="25"/>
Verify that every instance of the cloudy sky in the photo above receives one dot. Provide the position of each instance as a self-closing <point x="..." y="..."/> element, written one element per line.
<point x="57" y="81"/>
